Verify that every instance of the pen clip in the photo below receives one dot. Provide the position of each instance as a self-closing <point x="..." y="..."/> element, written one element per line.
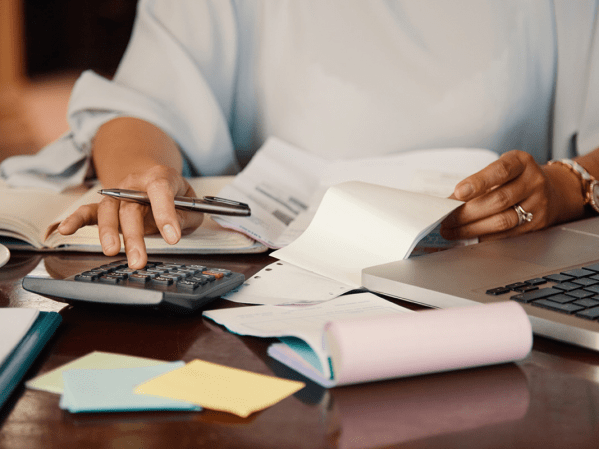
<point x="218" y="200"/>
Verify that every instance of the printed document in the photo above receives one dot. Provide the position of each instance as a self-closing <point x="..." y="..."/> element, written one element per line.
<point x="284" y="185"/>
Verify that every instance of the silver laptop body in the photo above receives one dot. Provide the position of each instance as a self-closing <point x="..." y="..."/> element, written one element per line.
<point x="462" y="276"/>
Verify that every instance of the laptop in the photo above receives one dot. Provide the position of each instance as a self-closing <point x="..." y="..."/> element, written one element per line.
<point x="553" y="274"/>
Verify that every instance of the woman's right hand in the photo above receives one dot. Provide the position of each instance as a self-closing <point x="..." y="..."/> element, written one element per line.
<point x="136" y="220"/>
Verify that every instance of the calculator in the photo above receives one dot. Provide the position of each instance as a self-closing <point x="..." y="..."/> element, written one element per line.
<point x="175" y="286"/>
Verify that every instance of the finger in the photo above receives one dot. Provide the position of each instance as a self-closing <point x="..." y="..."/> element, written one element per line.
<point x="170" y="221"/>
<point x="492" y="202"/>
<point x="508" y="167"/>
<point x="131" y="217"/>
<point x="501" y="225"/>
<point x="496" y="223"/>
<point x="86" y="215"/>
<point x="108" y="226"/>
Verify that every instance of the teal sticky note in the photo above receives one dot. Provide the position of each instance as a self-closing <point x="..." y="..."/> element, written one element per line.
<point x="111" y="390"/>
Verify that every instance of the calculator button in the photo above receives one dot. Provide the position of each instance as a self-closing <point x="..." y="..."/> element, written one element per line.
<point x="136" y="277"/>
<point x="173" y="266"/>
<point x="87" y="276"/>
<point x="201" y="279"/>
<point x="221" y="270"/>
<point x="111" y="278"/>
<point x="181" y="273"/>
<point x="173" y="276"/>
<point x="163" y="280"/>
<point x="202" y="267"/>
<point x="125" y="270"/>
<point x="216" y="274"/>
<point x="151" y="274"/>
<point x="187" y="284"/>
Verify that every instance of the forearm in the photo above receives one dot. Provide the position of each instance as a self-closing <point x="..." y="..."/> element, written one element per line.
<point x="128" y="145"/>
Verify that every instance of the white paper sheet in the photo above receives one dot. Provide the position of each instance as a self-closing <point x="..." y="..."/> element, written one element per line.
<point x="282" y="283"/>
<point x="359" y="225"/>
<point x="306" y="322"/>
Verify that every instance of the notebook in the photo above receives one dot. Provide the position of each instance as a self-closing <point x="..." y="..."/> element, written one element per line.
<point x="553" y="274"/>
<point x="28" y="346"/>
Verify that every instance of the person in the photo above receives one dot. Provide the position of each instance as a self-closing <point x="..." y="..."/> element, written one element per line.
<point x="202" y="84"/>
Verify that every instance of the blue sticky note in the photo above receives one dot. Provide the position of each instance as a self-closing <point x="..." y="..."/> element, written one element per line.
<point x="111" y="390"/>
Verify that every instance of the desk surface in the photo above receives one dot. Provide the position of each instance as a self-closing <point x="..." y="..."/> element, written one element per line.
<point x="549" y="400"/>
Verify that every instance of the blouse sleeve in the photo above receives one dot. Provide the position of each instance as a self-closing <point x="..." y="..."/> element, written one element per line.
<point x="178" y="72"/>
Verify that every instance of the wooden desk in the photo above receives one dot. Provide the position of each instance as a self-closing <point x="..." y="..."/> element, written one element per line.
<point x="549" y="400"/>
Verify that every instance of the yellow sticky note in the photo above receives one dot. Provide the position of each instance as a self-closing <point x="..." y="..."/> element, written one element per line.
<point x="218" y="387"/>
<point x="52" y="380"/>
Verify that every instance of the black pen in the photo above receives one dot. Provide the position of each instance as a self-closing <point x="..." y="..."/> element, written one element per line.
<point x="208" y="204"/>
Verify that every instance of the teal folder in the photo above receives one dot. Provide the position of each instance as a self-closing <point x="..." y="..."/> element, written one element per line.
<point x="18" y="362"/>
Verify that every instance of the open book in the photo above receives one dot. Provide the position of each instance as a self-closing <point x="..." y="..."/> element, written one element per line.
<point x="29" y="218"/>
<point x="362" y="338"/>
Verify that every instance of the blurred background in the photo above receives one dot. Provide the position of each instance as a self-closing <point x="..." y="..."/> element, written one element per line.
<point x="44" y="46"/>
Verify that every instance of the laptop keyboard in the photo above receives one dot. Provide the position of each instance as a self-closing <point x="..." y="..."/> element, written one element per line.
<point x="574" y="292"/>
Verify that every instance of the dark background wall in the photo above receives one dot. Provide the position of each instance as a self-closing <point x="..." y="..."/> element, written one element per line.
<point x="74" y="35"/>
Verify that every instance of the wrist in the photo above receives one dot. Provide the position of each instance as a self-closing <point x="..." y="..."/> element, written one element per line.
<point x="567" y="199"/>
<point x="588" y="184"/>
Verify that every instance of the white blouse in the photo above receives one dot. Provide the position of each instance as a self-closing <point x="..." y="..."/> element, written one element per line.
<point x="341" y="79"/>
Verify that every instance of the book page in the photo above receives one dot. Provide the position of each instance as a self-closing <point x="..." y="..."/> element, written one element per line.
<point x="210" y="238"/>
<point x="26" y="213"/>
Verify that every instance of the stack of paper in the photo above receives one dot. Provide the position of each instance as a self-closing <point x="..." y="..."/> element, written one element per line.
<point x="105" y="382"/>
<point x="112" y="390"/>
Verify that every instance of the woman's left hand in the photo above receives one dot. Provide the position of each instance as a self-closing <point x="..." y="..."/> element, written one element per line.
<point x="493" y="195"/>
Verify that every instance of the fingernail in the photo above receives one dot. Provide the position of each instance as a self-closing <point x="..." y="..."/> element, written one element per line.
<point x="107" y="241"/>
<point x="169" y="233"/>
<point x="133" y="257"/>
<point x="464" y="191"/>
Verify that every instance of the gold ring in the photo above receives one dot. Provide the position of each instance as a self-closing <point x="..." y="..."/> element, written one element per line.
<point x="522" y="214"/>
